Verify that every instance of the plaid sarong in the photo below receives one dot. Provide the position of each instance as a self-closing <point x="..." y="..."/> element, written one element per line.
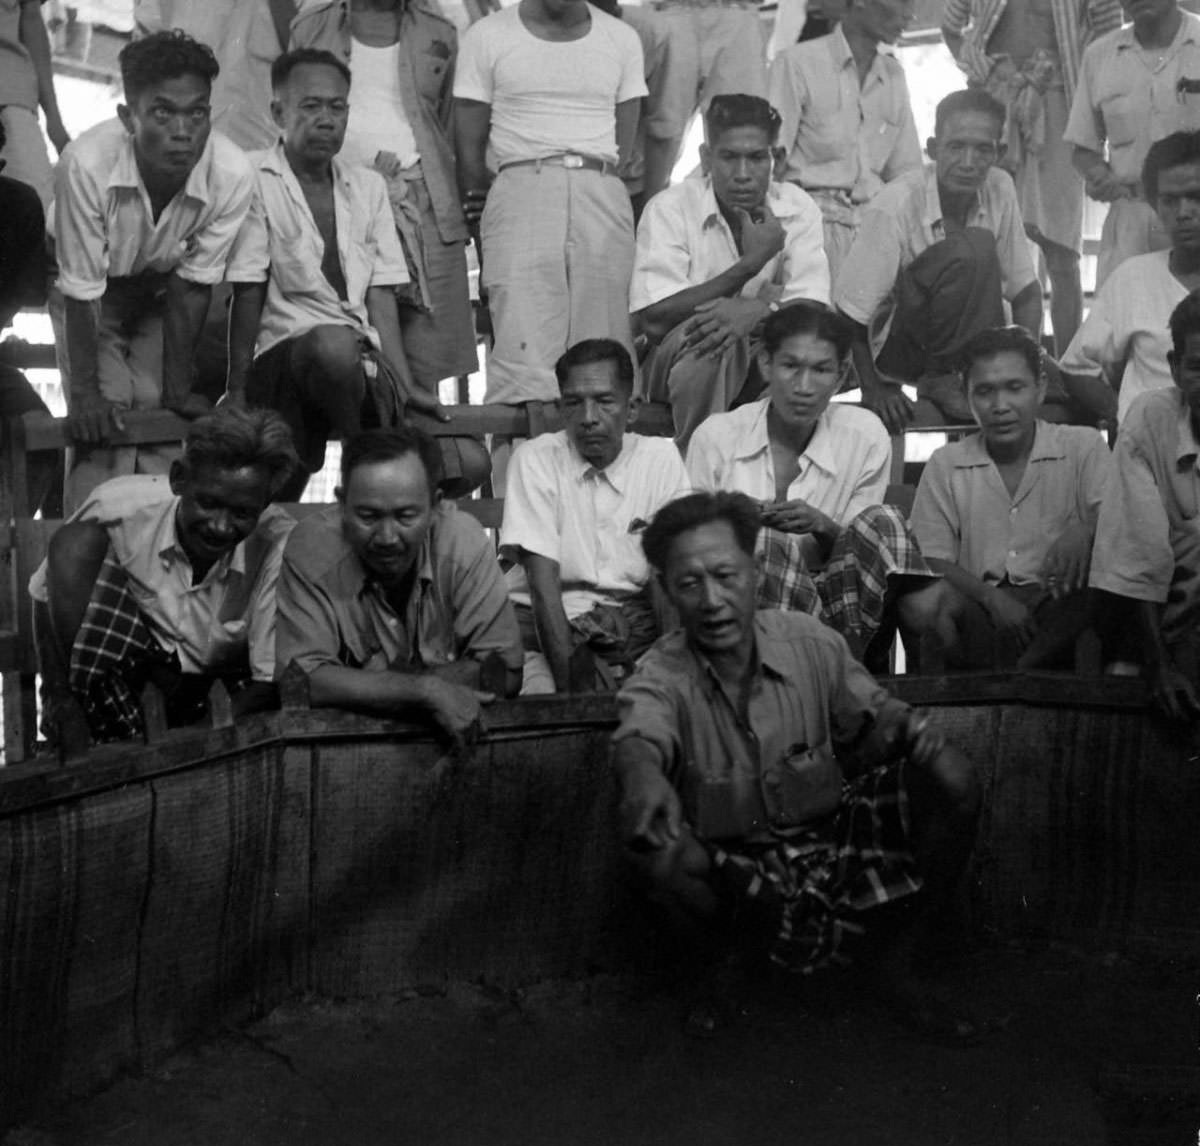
<point x="814" y="884"/>
<point x="113" y="649"/>
<point x="850" y="593"/>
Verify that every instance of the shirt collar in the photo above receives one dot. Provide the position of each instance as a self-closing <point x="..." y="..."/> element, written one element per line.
<point x="933" y="200"/>
<point x="710" y="213"/>
<point x="170" y="549"/>
<point x="843" y="57"/>
<point x="974" y="449"/>
<point x="370" y="584"/>
<point x="125" y="171"/>
<point x="275" y="160"/>
<point x="614" y="473"/>
<point x="769" y="654"/>
<point x="755" y="439"/>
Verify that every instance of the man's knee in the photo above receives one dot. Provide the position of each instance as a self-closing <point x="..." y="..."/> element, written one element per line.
<point x="334" y="350"/>
<point x="955" y="779"/>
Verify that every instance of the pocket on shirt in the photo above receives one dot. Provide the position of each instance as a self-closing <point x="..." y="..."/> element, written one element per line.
<point x="880" y="141"/>
<point x="296" y="275"/>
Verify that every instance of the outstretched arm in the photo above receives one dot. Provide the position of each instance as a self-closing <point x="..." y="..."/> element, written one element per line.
<point x="549" y="616"/>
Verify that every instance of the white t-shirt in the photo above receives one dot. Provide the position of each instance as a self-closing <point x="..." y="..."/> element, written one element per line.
<point x="378" y="121"/>
<point x="550" y="96"/>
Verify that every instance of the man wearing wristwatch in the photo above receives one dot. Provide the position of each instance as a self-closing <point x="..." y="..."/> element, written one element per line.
<point x="715" y="256"/>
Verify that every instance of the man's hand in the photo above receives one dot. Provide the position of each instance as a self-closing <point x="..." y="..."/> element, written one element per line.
<point x="718" y="324"/>
<point x="1103" y="186"/>
<point x="893" y="407"/>
<point x="456" y="709"/>
<point x="91" y="419"/>
<point x="1009" y="616"/>
<point x="388" y="164"/>
<point x="1065" y="568"/>
<point x="922" y="739"/>
<point x="650" y="813"/>
<point x="1173" y="693"/>
<point x="189" y="406"/>
<point x="761" y="242"/>
<point x="473" y="203"/>
<point x="795" y="517"/>
<point x="425" y="403"/>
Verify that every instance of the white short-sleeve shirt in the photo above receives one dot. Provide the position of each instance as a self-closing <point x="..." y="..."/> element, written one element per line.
<point x="550" y="96"/>
<point x="560" y="507"/>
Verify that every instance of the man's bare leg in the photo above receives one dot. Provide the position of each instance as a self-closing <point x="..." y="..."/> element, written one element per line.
<point x="1066" y="292"/>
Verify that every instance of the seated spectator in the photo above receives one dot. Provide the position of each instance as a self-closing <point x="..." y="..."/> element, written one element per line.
<point x="847" y="120"/>
<point x="1123" y="341"/>
<point x="146" y="209"/>
<point x="170" y="581"/>
<point x="391" y="600"/>
<point x="715" y="255"/>
<point x="819" y="470"/>
<point x="770" y="789"/>
<point x="313" y="330"/>
<point x="573" y="509"/>
<point x="937" y="253"/>
<point x="23" y="283"/>
<point x="1148" y="537"/>
<point x="1008" y="515"/>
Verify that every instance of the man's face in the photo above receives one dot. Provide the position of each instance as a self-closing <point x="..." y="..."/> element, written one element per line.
<point x="218" y="508"/>
<point x="883" y="21"/>
<point x="711" y="581"/>
<point x="739" y="161"/>
<point x="1004" y="396"/>
<point x="1178" y="205"/>
<point x="965" y="150"/>
<point x="387" y="508"/>
<point x="801" y="376"/>
<point x="311" y="110"/>
<point x="596" y="408"/>
<point x="1185" y="369"/>
<point x="170" y="124"/>
<point x="1145" y="12"/>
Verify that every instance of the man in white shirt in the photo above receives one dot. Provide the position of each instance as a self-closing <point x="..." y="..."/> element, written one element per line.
<point x="170" y="580"/>
<point x="715" y="256"/>
<point x="573" y="510"/>
<point x="314" y="331"/>
<point x="146" y="209"/>
<point x="819" y="469"/>
<point x="1124" y="342"/>
<point x="550" y="91"/>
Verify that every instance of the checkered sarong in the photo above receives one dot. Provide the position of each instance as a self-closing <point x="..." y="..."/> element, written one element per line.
<point x="112" y="650"/>
<point x="815" y="883"/>
<point x="850" y="593"/>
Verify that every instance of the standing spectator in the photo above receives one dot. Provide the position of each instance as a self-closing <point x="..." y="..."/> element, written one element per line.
<point x="147" y="207"/>
<point x="1027" y="54"/>
<point x="552" y="89"/>
<point x="246" y="36"/>
<point x="1137" y="84"/>
<point x="847" y="120"/>
<point x="402" y="57"/>
<point x="715" y="257"/>
<point x="27" y="83"/>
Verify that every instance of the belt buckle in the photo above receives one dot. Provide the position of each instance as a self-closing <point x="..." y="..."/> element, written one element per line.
<point x="572" y="161"/>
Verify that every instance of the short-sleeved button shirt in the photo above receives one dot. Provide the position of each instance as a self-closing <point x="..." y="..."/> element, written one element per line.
<point x="561" y="507"/>
<point x="905" y="219"/>
<point x="104" y="227"/>
<point x="809" y="695"/>
<point x="331" y="612"/>
<point x="1148" y="538"/>
<point x="964" y="513"/>
<point x="683" y="241"/>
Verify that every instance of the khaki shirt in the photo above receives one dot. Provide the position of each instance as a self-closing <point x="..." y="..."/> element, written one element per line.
<point x="963" y="512"/>
<point x="331" y="612"/>
<point x="809" y="700"/>
<point x="1148" y="538"/>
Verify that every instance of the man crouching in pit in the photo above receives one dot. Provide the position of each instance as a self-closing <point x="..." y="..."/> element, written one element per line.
<point x="770" y="787"/>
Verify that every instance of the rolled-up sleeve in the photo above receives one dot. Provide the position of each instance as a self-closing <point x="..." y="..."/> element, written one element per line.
<point x="390" y="267"/>
<point x="80" y="230"/>
<point x="706" y="458"/>
<point x="531" y="505"/>
<point x="306" y="622"/>
<point x="1098" y="349"/>
<point x="484" y="620"/>
<point x="1085" y="124"/>
<point x="1012" y="244"/>
<point x="250" y="258"/>
<point x="473" y="78"/>
<point x="663" y="257"/>
<point x="209" y="248"/>
<point x="1095" y="472"/>
<point x="805" y="265"/>
<point x="935" y="518"/>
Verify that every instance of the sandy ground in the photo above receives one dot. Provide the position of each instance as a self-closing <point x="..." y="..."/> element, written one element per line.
<point x="1085" y="1048"/>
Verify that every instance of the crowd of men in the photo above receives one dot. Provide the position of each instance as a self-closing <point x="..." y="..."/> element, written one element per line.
<point x="730" y="584"/>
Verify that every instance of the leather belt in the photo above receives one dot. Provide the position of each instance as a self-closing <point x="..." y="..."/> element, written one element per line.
<point x="567" y="159"/>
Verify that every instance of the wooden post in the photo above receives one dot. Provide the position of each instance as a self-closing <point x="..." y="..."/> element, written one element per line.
<point x="154" y="713"/>
<point x="293" y="688"/>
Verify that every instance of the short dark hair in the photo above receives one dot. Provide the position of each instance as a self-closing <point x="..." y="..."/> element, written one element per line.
<point x="1171" y="151"/>
<point x="164" y="56"/>
<point x="232" y="439"/>
<point x="1184" y="320"/>
<point x="694" y="510"/>
<point x="726" y="112"/>
<point x="806" y="317"/>
<point x="596" y="350"/>
<point x="998" y="340"/>
<point x="372" y="447"/>
<point x="968" y="100"/>
<point x="282" y="68"/>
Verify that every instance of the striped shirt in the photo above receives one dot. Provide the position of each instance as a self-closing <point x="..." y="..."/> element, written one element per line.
<point x="1076" y="23"/>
